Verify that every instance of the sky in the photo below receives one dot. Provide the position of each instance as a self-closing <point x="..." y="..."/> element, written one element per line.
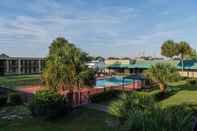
<point x="100" y="27"/>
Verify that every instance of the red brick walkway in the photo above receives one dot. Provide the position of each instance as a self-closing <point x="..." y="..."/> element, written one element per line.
<point x="30" y="89"/>
<point x="91" y="91"/>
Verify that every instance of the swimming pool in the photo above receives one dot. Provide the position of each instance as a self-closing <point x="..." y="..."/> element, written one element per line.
<point x="112" y="81"/>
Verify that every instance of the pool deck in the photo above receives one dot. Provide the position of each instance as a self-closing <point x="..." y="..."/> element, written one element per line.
<point x="128" y="87"/>
<point x="85" y="93"/>
<point x="30" y="89"/>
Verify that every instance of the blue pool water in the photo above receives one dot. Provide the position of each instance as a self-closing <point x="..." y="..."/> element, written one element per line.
<point x="112" y="81"/>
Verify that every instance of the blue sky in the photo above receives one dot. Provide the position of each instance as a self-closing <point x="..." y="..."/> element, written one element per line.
<point x="100" y="27"/>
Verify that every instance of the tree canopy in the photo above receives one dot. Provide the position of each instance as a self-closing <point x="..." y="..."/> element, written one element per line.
<point x="193" y="55"/>
<point x="100" y="58"/>
<point x="184" y="49"/>
<point x="169" y="49"/>
<point x="65" y="67"/>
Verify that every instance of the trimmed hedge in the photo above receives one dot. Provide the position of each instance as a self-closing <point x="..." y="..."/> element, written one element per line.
<point x="3" y="100"/>
<point x="49" y="104"/>
<point x="14" y="98"/>
<point x="104" y="96"/>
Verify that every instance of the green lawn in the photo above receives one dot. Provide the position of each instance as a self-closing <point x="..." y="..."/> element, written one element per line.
<point x="18" y="81"/>
<point x="80" y="120"/>
<point x="180" y="93"/>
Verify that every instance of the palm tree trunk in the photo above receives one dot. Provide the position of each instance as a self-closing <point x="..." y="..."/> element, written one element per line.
<point x="182" y="63"/>
<point x="71" y="97"/>
<point x="162" y="87"/>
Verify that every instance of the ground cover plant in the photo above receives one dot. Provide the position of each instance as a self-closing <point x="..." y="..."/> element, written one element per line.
<point x="139" y="112"/>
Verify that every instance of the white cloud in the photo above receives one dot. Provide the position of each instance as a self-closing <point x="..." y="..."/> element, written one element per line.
<point x="108" y="26"/>
<point x="56" y="19"/>
<point x="150" y="38"/>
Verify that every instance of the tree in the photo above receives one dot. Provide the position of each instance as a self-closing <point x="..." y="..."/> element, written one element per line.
<point x="193" y="55"/>
<point x="184" y="49"/>
<point x="169" y="49"/>
<point x="113" y="58"/>
<point x="100" y="58"/>
<point x="86" y="57"/>
<point x="162" y="73"/>
<point x="65" y="68"/>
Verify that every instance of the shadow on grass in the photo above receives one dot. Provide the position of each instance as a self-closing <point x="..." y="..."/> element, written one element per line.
<point x="172" y="90"/>
<point x="158" y="96"/>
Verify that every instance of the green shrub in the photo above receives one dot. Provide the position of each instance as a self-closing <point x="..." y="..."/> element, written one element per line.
<point x="130" y="103"/>
<point x="139" y="112"/>
<point x="90" y="80"/>
<point x="49" y="104"/>
<point x="3" y="100"/>
<point x="104" y="96"/>
<point x="183" y="78"/>
<point x="14" y="98"/>
<point x="192" y="81"/>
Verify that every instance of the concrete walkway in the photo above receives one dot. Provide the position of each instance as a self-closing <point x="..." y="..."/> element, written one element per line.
<point x="98" y="107"/>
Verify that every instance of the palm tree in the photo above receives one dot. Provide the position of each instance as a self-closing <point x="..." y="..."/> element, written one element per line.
<point x="162" y="73"/>
<point x="65" y="68"/>
<point x="78" y="73"/>
<point x="184" y="50"/>
<point x="169" y="49"/>
<point x="193" y="55"/>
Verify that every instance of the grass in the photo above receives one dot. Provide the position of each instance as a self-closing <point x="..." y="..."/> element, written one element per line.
<point x="178" y="93"/>
<point x="181" y="94"/>
<point x="81" y="119"/>
<point x="18" y="81"/>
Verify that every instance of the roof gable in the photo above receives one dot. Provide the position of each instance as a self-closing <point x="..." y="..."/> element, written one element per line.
<point x="4" y="55"/>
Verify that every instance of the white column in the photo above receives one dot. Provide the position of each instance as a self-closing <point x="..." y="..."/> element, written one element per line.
<point x="7" y="66"/>
<point x="39" y="66"/>
<point x="19" y="66"/>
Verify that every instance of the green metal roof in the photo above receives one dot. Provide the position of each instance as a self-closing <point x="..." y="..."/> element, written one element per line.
<point x="118" y="66"/>
<point x="152" y="62"/>
<point x="188" y="64"/>
<point x="140" y="66"/>
<point x="145" y="64"/>
<point x="129" y="66"/>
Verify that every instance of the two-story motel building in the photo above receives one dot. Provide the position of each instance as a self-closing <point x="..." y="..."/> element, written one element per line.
<point x="20" y="65"/>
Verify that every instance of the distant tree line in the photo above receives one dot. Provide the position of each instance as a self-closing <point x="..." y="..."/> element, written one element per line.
<point x="118" y="58"/>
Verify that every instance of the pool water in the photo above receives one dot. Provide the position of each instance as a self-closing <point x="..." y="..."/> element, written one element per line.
<point x="112" y="81"/>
